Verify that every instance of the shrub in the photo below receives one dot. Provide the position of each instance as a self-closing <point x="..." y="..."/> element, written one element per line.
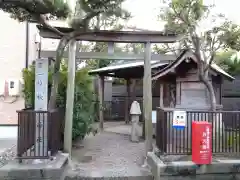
<point x="84" y="97"/>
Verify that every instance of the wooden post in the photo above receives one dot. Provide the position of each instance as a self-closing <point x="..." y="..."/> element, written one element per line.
<point x="110" y="47"/>
<point x="127" y="101"/>
<point x="147" y="98"/>
<point x="133" y="90"/>
<point x="70" y="98"/>
<point x="101" y="83"/>
<point x="161" y="94"/>
<point x="101" y="99"/>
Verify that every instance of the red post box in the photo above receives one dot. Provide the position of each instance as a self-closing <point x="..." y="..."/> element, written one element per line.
<point x="201" y="142"/>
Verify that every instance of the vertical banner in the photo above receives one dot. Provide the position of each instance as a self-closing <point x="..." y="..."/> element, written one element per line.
<point x="41" y="102"/>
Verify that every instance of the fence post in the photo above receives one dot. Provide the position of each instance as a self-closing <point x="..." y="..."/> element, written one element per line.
<point x="161" y="131"/>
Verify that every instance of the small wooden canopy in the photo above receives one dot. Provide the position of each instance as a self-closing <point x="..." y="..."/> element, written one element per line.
<point x="188" y="54"/>
<point x="129" y="69"/>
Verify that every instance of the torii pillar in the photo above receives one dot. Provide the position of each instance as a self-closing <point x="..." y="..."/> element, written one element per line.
<point x="70" y="97"/>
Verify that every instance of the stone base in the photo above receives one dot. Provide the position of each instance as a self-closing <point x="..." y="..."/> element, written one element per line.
<point x="220" y="169"/>
<point x="30" y="169"/>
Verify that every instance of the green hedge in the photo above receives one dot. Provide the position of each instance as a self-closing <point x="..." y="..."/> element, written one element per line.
<point x="84" y="99"/>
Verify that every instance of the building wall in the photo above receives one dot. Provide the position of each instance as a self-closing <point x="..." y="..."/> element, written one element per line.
<point x="193" y="93"/>
<point x="13" y="57"/>
<point x="231" y="94"/>
<point x="13" y="46"/>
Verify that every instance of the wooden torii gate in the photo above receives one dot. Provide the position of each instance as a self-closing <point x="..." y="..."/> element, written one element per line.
<point x="146" y="37"/>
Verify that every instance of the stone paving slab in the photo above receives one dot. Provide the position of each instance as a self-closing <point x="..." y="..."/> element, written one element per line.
<point x="108" y="155"/>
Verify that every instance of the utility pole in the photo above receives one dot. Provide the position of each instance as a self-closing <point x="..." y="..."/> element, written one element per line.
<point x="147" y="98"/>
<point x="70" y="98"/>
<point x="27" y="45"/>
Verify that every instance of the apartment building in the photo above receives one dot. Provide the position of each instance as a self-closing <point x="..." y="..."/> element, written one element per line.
<point x="17" y="47"/>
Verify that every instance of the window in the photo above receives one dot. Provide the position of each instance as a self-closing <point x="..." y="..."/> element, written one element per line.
<point x="11" y="84"/>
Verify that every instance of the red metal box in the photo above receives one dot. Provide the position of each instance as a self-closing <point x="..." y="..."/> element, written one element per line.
<point x="201" y="142"/>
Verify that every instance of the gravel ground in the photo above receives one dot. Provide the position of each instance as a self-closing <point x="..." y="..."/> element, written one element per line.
<point x="110" y="155"/>
<point x="7" y="155"/>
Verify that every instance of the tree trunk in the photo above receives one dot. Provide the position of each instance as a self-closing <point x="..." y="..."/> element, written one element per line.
<point x="204" y="78"/>
<point x="55" y="78"/>
<point x="215" y="118"/>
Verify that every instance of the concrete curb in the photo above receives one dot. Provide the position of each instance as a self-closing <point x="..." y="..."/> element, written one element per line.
<point x="109" y="174"/>
<point x="188" y="168"/>
<point x="51" y="170"/>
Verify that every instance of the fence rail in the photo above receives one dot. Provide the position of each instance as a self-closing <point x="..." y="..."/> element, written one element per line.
<point x="39" y="133"/>
<point x="115" y="109"/>
<point x="225" y="132"/>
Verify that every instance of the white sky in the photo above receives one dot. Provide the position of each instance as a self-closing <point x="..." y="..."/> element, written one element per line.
<point x="145" y="12"/>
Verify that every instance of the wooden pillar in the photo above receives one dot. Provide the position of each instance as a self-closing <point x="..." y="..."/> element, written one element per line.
<point x="101" y="83"/>
<point x="110" y="47"/>
<point x="101" y="101"/>
<point x="131" y="94"/>
<point x="70" y="98"/>
<point x="127" y="101"/>
<point x="147" y="98"/>
<point x="133" y="90"/>
<point x="161" y="95"/>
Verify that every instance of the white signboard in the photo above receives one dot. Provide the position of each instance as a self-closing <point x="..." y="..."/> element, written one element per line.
<point x="154" y="117"/>
<point x="179" y="119"/>
<point x="41" y="101"/>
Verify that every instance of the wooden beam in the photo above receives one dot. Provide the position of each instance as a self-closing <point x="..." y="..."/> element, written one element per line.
<point x="119" y="38"/>
<point x="147" y="97"/>
<point x="70" y="98"/>
<point x="120" y="76"/>
<point x="115" y="36"/>
<point x="105" y="55"/>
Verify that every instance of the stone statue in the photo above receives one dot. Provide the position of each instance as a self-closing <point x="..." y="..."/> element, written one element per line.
<point x="135" y="112"/>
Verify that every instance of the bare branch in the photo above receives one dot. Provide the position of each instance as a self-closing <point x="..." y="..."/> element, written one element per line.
<point x="43" y="21"/>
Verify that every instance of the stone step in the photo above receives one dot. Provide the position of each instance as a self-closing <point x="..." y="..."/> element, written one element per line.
<point x="130" y="173"/>
<point x="79" y="177"/>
